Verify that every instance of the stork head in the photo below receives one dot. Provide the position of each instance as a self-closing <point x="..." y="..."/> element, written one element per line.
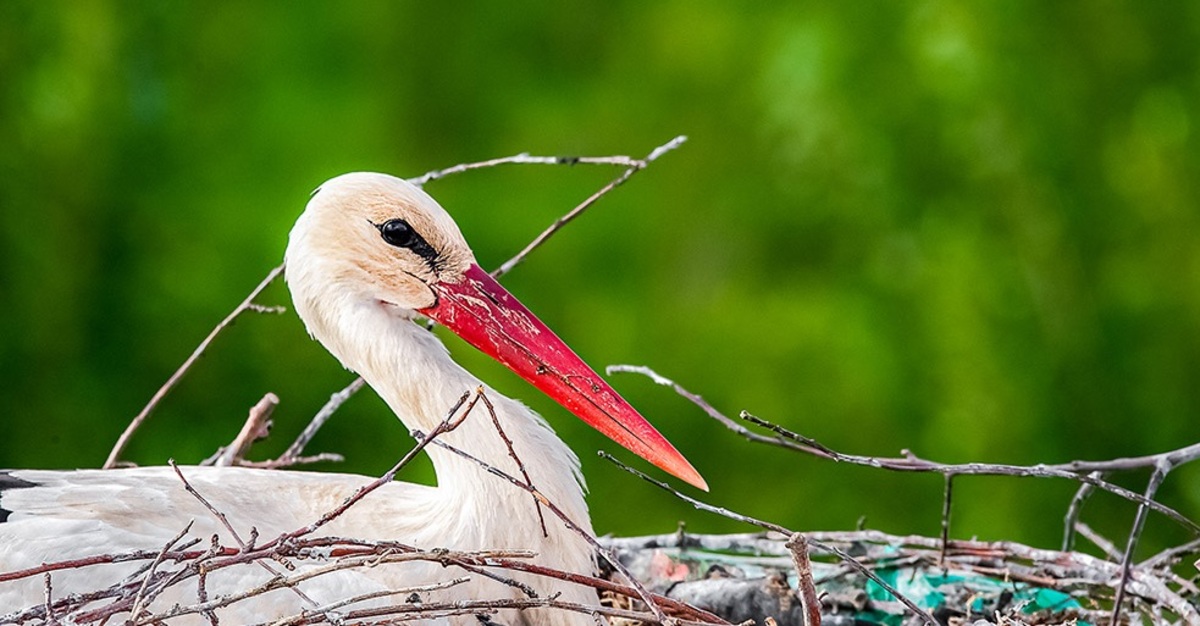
<point x="378" y="241"/>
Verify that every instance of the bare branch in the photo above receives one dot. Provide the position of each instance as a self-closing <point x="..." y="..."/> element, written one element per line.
<point x="1163" y="467"/>
<point x="809" y="446"/>
<point x="48" y="595"/>
<point x="946" y="514"/>
<point x="1074" y="509"/>
<point x="634" y="167"/>
<point x="141" y="594"/>
<point x="912" y="463"/>
<point x="257" y="426"/>
<point x="323" y="457"/>
<point x="333" y="606"/>
<point x="115" y="455"/>
<point x="1173" y="555"/>
<point x="798" y="546"/>
<point x="1100" y="541"/>
<point x="537" y="504"/>
<point x="336" y="400"/>
<point x="208" y="505"/>
<point x="525" y="159"/>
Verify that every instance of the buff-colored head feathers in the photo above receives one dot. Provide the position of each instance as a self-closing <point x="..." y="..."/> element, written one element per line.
<point x="338" y="249"/>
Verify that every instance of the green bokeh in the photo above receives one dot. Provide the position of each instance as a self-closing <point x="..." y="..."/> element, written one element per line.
<point x="970" y="230"/>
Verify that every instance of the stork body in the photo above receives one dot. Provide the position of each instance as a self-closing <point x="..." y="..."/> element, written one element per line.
<point x="369" y="254"/>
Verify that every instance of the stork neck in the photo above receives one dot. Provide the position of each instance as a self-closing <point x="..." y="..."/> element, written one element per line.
<point x="413" y="372"/>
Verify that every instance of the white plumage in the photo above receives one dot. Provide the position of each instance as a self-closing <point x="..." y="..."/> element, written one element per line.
<point x="358" y="278"/>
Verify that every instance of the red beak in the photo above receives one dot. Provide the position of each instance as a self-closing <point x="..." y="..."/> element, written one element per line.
<point x="482" y="312"/>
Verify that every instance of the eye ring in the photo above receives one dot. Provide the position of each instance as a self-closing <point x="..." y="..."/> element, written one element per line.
<point x="398" y="233"/>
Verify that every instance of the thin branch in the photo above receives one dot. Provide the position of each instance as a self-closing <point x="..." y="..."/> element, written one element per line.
<point x="336" y="400"/>
<point x="208" y="505"/>
<point x="81" y="563"/>
<point x="333" y="606"/>
<point x="911" y="463"/>
<point x="946" y="516"/>
<point x="323" y="457"/>
<point x="1074" y="509"/>
<point x="798" y="546"/>
<point x="604" y="585"/>
<point x="1150" y="461"/>
<point x="809" y="446"/>
<point x="537" y="504"/>
<point x="439" y="611"/>
<point x="141" y="594"/>
<point x="1161" y="469"/>
<point x="292" y="581"/>
<point x="257" y="426"/>
<point x="202" y="596"/>
<point x="48" y="599"/>
<point x="634" y="167"/>
<point x="114" y="456"/>
<point x="525" y="159"/>
<point x="1172" y="555"/>
<point x="1099" y="541"/>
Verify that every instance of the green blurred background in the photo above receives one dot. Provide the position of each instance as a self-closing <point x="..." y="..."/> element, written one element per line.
<point x="967" y="230"/>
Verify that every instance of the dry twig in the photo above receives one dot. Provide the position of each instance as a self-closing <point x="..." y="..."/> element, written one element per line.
<point x="537" y="503"/>
<point x="1074" y="509"/>
<point x="114" y="456"/>
<point x="1162" y="467"/>
<point x="798" y="546"/>
<point x="525" y="159"/>
<point x="634" y="168"/>
<point x="256" y="427"/>
<point x="909" y="462"/>
<point x="296" y="450"/>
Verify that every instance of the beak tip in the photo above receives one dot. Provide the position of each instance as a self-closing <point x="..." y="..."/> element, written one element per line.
<point x="689" y="475"/>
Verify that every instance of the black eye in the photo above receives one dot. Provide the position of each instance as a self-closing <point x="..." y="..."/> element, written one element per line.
<point x="398" y="233"/>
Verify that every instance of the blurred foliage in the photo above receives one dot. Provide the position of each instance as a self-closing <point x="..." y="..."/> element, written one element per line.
<point x="970" y="230"/>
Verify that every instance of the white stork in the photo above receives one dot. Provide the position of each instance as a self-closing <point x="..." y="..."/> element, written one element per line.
<point x="369" y="254"/>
